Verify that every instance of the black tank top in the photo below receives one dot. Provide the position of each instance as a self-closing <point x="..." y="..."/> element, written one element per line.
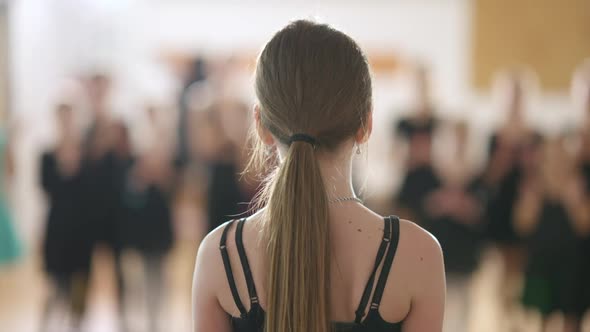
<point x="253" y="320"/>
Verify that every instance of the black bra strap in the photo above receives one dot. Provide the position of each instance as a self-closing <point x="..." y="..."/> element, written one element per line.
<point x="245" y="264"/>
<point x="386" y="265"/>
<point x="360" y="312"/>
<point x="228" y="270"/>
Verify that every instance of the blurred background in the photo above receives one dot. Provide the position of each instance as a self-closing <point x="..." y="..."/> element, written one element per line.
<point x="122" y="135"/>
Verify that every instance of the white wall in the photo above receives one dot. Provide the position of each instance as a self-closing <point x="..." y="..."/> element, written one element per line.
<point x="54" y="39"/>
<point x="58" y="38"/>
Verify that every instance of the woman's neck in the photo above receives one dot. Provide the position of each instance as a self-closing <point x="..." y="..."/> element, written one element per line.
<point x="336" y="169"/>
<point x="337" y="175"/>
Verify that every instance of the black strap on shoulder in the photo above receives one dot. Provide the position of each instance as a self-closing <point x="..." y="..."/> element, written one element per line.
<point x="386" y="264"/>
<point x="228" y="270"/>
<point x="360" y="312"/>
<point x="245" y="264"/>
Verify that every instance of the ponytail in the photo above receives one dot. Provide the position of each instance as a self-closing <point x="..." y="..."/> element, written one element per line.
<point x="298" y="245"/>
<point x="310" y="79"/>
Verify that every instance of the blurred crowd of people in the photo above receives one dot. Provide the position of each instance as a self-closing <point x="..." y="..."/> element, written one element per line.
<point x="106" y="190"/>
<point x="531" y="200"/>
<point x="114" y="184"/>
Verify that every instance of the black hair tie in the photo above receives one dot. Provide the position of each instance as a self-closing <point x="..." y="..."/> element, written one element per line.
<point x="303" y="138"/>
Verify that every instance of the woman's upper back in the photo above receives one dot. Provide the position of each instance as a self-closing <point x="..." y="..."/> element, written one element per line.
<point x="413" y="286"/>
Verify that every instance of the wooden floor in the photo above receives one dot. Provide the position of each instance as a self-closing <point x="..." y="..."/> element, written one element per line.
<point x="23" y="290"/>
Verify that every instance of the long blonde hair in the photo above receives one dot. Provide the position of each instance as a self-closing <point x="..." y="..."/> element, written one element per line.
<point x="315" y="80"/>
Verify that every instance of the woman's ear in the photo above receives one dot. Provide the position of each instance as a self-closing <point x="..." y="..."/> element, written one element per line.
<point x="363" y="134"/>
<point x="263" y="133"/>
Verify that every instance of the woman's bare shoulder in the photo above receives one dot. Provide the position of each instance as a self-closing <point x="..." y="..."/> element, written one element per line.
<point x="209" y="262"/>
<point x="419" y="238"/>
<point x="419" y="249"/>
<point x="210" y="245"/>
<point x="420" y="269"/>
<point x="211" y="242"/>
<point x="411" y="233"/>
<point x="208" y="281"/>
<point x="415" y="242"/>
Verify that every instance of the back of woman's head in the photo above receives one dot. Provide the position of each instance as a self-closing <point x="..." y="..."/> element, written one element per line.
<point x="314" y="80"/>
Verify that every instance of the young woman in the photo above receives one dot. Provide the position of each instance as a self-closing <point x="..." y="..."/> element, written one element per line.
<point x="416" y="131"/>
<point x="315" y="258"/>
<point x="147" y="213"/>
<point x="454" y="213"/>
<point x="67" y="246"/>
<point x="553" y="216"/>
<point x="509" y="152"/>
<point x="220" y="155"/>
<point x="581" y="95"/>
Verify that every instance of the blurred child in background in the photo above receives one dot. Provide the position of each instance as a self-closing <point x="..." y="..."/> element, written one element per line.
<point x="508" y="149"/>
<point x="417" y="131"/>
<point x="454" y="214"/>
<point x="68" y="244"/>
<point x="553" y="215"/>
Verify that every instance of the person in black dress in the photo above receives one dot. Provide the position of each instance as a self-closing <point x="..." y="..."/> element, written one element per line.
<point x="146" y="218"/>
<point x="581" y="91"/>
<point x="506" y="150"/>
<point x="417" y="131"/>
<point x="99" y="165"/>
<point x="222" y="156"/>
<point x="195" y="74"/>
<point x="121" y="229"/>
<point x="67" y="246"/>
<point x="453" y="211"/>
<point x="101" y="175"/>
<point x="421" y="179"/>
<point x="552" y="215"/>
<point x="124" y="160"/>
<point x="509" y="151"/>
